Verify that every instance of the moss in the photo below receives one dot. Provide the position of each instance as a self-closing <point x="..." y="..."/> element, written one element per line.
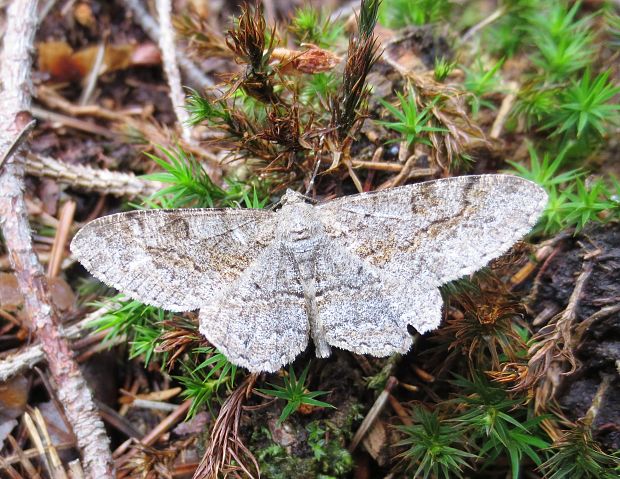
<point x="318" y="451"/>
<point x="276" y="463"/>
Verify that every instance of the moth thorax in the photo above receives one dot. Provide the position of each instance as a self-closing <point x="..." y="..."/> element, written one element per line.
<point x="301" y="229"/>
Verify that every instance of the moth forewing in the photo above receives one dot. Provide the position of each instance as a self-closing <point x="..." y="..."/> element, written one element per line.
<point x="173" y="259"/>
<point x="436" y="231"/>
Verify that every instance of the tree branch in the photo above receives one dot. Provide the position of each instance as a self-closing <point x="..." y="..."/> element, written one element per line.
<point x="28" y="357"/>
<point x="15" y="98"/>
<point x="91" y="179"/>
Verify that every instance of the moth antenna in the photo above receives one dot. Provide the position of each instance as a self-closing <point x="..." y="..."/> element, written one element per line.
<point x="315" y="171"/>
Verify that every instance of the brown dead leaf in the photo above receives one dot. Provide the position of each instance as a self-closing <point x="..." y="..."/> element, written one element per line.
<point x="13" y="397"/>
<point x="13" y="400"/>
<point x="11" y="297"/>
<point x="64" y="64"/>
<point x="83" y="14"/>
<point x="376" y="443"/>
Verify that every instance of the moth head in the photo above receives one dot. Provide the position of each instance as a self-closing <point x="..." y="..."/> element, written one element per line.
<point x="292" y="197"/>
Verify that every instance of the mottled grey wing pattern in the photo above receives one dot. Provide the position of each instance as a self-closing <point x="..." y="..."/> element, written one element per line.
<point x="436" y="231"/>
<point x="173" y="259"/>
<point x="260" y="321"/>
<point x="355" y="307"/>
<point x="264" y="281"/>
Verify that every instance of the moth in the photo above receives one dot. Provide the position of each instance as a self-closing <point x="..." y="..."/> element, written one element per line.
<point x="350" y="273"/>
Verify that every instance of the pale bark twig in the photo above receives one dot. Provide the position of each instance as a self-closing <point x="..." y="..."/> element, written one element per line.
<point x="72" y="390"/>
<point x="194" y="75"/>
<point x="504" y="110"/>
<point x="91" y="179"/>
<point x="482" y="24"/>
<point x="171" y="67"/>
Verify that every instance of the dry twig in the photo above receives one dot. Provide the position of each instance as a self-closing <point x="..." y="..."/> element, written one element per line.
<point x="91" y="179"/>
<point x="19" y="139"/>
<point x="72" y="390"/>
<point x="195" y="75"/>
<point x="31" y="355"/>
<point x="125" y="120"/>
<point x="171" y="67"/>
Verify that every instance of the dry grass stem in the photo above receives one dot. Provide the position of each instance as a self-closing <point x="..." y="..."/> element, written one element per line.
<point x="407" y="172"/>
<point x="93" y="75"/>
<point x="587" y="323"/>
<point x="50" y="97"/>
<point x="553" y="346"/>
<point x="375" y="165"/>
<point x="59" y="247"/>
<point x="75" y="123"/>
<point x="226" y="453"/>
<point x="21" y="457"/>
<point x="171" y="67"/>
<point x="504" y="110"/>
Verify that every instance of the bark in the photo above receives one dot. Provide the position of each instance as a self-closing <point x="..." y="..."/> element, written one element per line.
<point x="72" y="391"/>
<point x="91" y="179"/>
<point x="169" y="58"/>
